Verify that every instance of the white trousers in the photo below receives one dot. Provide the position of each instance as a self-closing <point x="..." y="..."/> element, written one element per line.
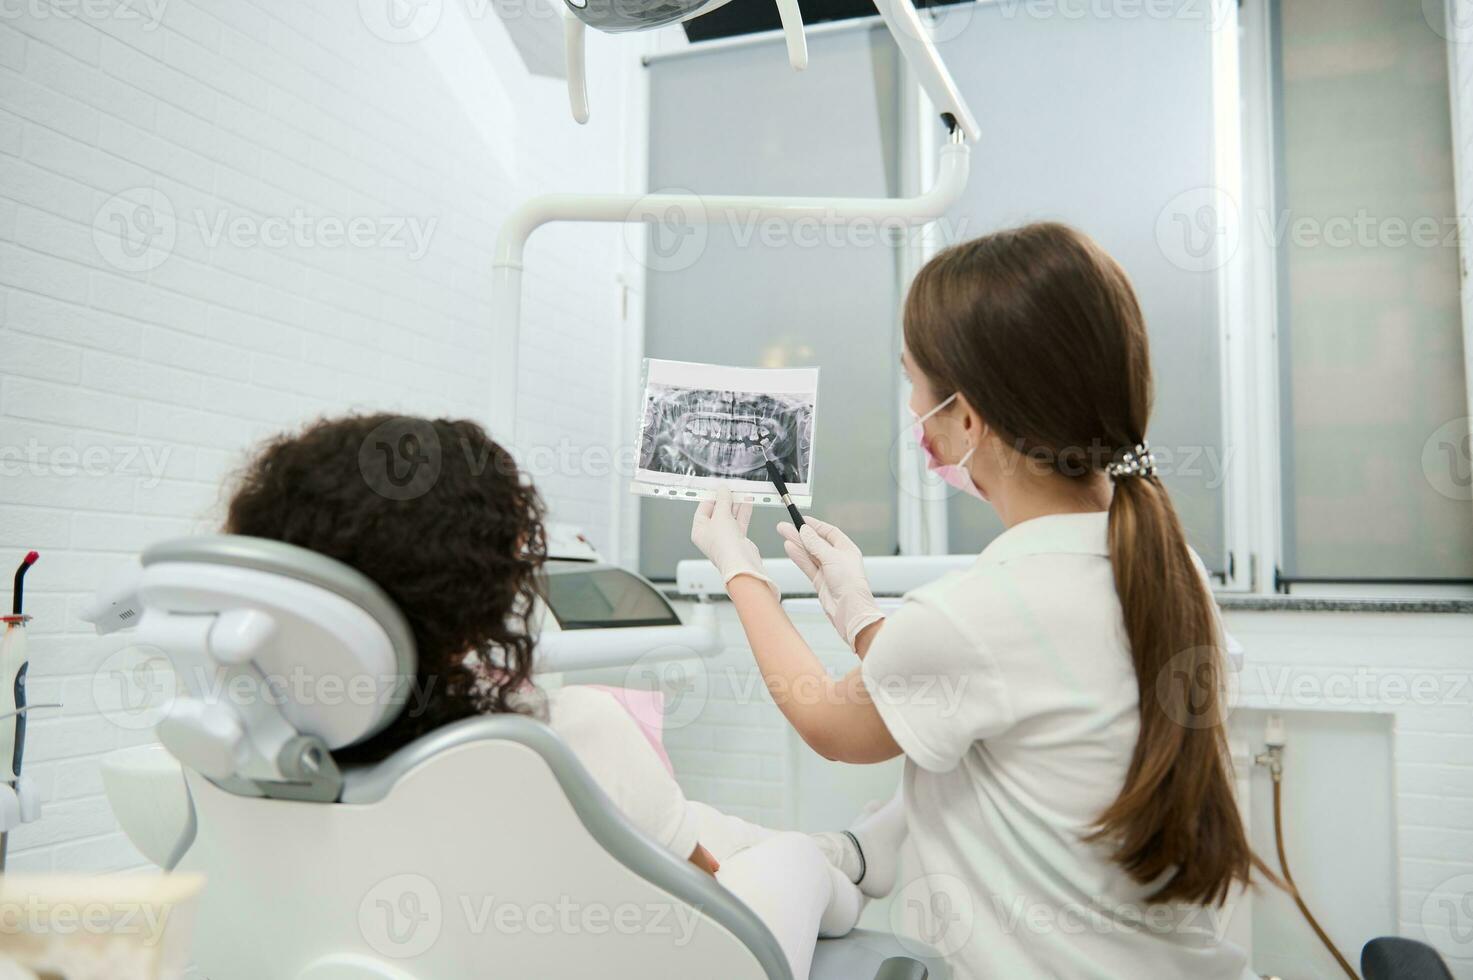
<point x="783" y="877"/>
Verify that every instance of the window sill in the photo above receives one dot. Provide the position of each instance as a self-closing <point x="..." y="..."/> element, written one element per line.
<point x="1231" y="602"/>
<point x="1349" y="604"/>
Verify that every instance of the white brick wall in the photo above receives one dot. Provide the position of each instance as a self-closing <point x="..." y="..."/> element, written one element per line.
<point x="128" y="393"/>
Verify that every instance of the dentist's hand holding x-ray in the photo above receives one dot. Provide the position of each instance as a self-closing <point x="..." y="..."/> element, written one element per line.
<point x="835" y="566"/>
<point x="825" y="554"/>
<point x="834" y="716"/>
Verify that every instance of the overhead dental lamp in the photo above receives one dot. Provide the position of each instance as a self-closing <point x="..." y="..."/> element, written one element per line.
<point x="623" y="16"/>
<point x="626" y="16"/>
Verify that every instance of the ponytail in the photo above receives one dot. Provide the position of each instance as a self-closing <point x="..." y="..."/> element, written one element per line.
<point x="1041" y="332"/>
<point x="1175" y="823"/>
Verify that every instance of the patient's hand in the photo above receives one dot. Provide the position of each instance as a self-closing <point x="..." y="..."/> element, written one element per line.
<point x="705" y="860"/>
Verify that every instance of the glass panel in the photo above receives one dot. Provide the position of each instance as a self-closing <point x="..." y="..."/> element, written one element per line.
<point x="1372" y="372"/>
<point x="1078" y="127"/>
<point x="594" y="598"/>
<point x="770" y="296"/>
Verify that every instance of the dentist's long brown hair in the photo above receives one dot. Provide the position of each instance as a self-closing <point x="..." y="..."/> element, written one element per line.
<point x="1041" y="332"/>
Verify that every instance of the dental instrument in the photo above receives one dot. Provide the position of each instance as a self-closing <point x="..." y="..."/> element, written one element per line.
<point x="19" y="802"/>
<point x="15" y="682"/>
<point x="782" y="488"/>
<point x="17" y="595"/>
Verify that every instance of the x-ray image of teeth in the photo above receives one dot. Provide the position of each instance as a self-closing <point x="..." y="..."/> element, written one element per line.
<point x="715" y="433"/>
<point x="704" y="426"/>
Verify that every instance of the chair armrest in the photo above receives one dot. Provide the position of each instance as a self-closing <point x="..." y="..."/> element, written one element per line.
<point x="902" y="968"/>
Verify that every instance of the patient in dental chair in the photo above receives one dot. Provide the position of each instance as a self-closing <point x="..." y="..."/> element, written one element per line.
<point x="439" y="516"/>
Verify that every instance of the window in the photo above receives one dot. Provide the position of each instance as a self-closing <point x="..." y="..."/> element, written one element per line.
<point x="1365" y="228"/>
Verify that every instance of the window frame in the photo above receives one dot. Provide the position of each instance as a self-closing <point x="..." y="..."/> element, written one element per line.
<point x="1252" y="391"/>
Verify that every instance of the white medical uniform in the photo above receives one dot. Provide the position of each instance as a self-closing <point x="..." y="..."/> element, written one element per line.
<point x="1010" y="688"/>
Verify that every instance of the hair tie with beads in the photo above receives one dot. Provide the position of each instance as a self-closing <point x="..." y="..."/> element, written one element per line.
<point x="1139" y="461"/>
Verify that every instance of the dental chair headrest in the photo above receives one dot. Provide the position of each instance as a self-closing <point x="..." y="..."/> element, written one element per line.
<point x="302" y="565"/>
<point x="281" y="655"/>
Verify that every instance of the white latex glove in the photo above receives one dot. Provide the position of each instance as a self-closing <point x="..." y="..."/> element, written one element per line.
<point x="835" y="566"/>
<point x="720" y="531"/>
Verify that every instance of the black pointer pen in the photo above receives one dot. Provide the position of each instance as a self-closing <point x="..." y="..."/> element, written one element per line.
<point x="782" y="488"/>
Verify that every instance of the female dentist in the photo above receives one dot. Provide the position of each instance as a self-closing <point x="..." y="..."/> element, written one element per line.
<point x="1067" y="781"/>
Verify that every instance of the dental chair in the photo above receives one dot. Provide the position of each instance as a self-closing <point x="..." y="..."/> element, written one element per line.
<point x="482" y="849"/>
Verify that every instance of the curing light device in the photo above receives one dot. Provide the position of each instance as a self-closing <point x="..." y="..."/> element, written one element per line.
<point x="18" y="800"/>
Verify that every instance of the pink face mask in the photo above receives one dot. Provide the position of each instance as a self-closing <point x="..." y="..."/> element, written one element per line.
<point x="954" y="475"/>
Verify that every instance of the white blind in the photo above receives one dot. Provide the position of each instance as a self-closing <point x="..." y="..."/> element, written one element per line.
<point x="1375" y="451"/>
<point x="1105" y="122"/>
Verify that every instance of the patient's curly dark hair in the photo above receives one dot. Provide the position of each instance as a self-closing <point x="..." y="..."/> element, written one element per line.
<point x="438" y="516"/>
